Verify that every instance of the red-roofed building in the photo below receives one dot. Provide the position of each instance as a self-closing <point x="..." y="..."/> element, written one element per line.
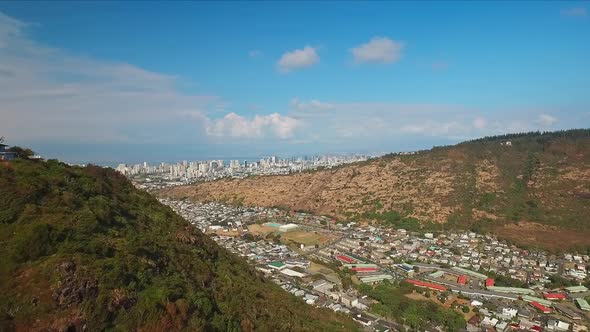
<point x="541" y="307"/>
<point x="515" y="326"/>
<point x="490" y="282"/>
<point x="462" y="279"/>
<point x="345" y="259"/>
<point x="554" y="296"/>
<point x="536" y="328"/>
<point x="428" y="285"/>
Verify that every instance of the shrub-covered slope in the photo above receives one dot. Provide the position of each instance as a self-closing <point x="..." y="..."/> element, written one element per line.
<point x="81" y="248"/>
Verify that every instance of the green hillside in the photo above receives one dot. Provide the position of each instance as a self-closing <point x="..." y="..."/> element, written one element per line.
<point x="81" y="248"/>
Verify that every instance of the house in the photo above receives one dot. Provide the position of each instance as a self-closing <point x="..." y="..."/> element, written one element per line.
<point x="576" y="289"/>
<point x="524" y="313"/>
<point x="319" y="284"/>
<point x="509" y="312"/>
<point x="557" y="325"/>
<point x="476" y="303"/>
<point x="570" y="313"/>
<point x="490" y="282"/>
<point x="277" y="265"/>
<point x="474" y="321"/>
<point x="541" y="307"/>
<point x="310" y="298"/>
<point x="405" y="269"/>
<point x="362" y="320"/>
<point x="428" y="285"/>
<point x="349" y="301"/>
<point x="501" y="326"/>
<point x="582" y="304"/>
<point x="487" y="321"/>
<point x="554" y="296"/>
<point x="5" y="154"/>
<point x="462" y="279"/>
<point x="579" y="328"/>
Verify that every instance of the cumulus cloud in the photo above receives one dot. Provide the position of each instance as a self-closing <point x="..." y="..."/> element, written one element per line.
<point x="574" y="12"/>
<point x="298" y="59"/>
<point x="234" y="125"/>
<point x="378" y="50"/>
<point x="546" y="120"/>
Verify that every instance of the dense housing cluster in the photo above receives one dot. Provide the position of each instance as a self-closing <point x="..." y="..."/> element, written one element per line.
<point x="508" y="287"/>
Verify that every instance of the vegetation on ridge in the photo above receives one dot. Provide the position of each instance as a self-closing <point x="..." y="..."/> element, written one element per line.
<point x="81" y="247"/>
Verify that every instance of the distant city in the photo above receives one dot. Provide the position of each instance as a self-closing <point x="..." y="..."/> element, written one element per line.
<point x="208" y="170"/>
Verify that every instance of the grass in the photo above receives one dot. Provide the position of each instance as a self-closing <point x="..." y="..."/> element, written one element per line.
<point x="307" y="238"/>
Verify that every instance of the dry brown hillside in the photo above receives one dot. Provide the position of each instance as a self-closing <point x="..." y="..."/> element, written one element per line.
<point x="543" y="178"/>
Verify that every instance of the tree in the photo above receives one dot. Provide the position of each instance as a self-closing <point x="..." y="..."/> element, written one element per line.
<point x="1" y="139"/>
<point x="24" y="153"/>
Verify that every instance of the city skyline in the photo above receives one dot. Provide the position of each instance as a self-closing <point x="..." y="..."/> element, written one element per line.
<point x="125" y="82"/>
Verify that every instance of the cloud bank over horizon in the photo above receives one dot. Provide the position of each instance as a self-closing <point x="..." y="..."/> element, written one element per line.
<point x="49" y="94"/>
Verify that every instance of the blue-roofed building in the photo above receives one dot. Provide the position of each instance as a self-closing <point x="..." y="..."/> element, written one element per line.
<point x="406" y="269"/>
<point x="5" y="154"/>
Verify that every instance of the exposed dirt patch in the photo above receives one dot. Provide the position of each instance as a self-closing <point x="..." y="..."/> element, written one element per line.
<point x="538" y="235"/>
<point x="307" y="238"/>
<point x="261" y="230"/>
<point x="354" y="189"/>
<point x="487" y="176"/>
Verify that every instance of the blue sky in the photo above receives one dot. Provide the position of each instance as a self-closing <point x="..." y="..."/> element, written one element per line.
<point x="108" y="82"/>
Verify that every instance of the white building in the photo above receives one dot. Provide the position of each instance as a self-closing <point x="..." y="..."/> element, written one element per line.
<point x="287" y="227"/>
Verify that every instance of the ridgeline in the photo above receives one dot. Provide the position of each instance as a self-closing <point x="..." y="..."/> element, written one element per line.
<point x="82" y="249"/>
<point x="531" y="188"/>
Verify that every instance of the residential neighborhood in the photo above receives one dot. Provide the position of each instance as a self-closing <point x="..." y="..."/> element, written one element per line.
<point x="501" y="286"/>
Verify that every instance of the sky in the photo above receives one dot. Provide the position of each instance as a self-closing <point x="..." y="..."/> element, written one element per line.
<point x="110" y="82"/>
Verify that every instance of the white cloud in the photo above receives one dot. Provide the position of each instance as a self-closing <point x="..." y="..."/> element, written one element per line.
<point x="298" y="59"/>
<point x="9" y="28"/>
<point x="234" y="125"/>
<point x="47" y="94"/>
<point x="313" y="104"/>
<point x="50" y="95"/>
<point x="479" y="123"/>
<point x="380" y="122"/>
<point x="574" y="12"/>
<point x="378" y="50"/>
<point x="545" y="120"/>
